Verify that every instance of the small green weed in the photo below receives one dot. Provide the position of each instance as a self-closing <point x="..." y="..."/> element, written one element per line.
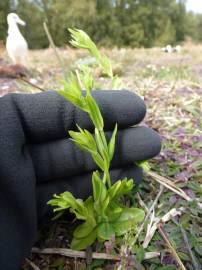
<point x="102" y="213"/>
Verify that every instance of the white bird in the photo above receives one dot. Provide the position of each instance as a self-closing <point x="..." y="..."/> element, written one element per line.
<point x="178" y="49"/>
<point x="167" y="49"/>
<point x="16" y="45"/>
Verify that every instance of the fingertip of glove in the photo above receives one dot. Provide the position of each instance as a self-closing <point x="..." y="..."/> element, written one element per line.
<point x="138" y="105"/>
<point x="156" y="142"/>
<point x="123" y="106"/>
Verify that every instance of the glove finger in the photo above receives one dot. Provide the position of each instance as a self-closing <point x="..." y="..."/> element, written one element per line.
<point x="80" y="186"/>
<point x="63" y="158"/>
<point x="48" y="116"/>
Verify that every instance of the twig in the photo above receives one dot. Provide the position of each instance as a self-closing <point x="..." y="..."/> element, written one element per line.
<point x="32" y="264"/>
<point x="82" y="254"/>
<point x="32" y="84"/>
<point x="148" y="213"/>
<point x="186" y="241"/>
<point x="150" y="255"/>
<point x="55" y="49"/>
<point x="172" y="250"/>
<point x="141" y="202"/>
<point x="170" y="185"/>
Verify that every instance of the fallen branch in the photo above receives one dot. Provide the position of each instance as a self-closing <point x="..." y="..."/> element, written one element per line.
<point x="172" y="250"/>
<point x="82" y="254"/>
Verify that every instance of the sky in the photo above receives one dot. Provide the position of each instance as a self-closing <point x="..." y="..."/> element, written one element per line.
<point x="194" y="5"/>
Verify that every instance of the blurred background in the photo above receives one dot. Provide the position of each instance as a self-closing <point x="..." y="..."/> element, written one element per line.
<point x="121" y="23"/>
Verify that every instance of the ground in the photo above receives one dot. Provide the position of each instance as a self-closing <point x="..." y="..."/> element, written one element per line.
<point x="171" y="85"/>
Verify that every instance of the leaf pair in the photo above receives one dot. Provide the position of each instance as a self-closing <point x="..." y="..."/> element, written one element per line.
<point x="72" y="92"/>
<point x="65" y="201"/>
<point x="84" y="140"/>
<point x="81" y="40"/>
<point x="97" y="147"/>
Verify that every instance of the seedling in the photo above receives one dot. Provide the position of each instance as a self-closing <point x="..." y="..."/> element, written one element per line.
<point x="103" y="215"/>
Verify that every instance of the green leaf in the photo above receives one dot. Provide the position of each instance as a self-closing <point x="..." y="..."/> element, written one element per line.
<point x="81" y="40"/>
<point x="120" y="188"/>
<point x="84" y="229"/>
<point x="82" y="243"/>
<point x="102" y="148"/>
<point x="135" y="214"/>
<point x="77" y="101"/>
<point x="99" y="161"/>
<point x="89" y="204"/>
<point x="144" y="165"/>
<point x="111" y="144"/>
<point x="113" y="211"/>
<point x="84" y="140"/>
<point x="80" y="210"/>
<point x="105" y="231"/>
<point x="101" y="199"/>
<point x="105" y="64"/>
<point x="99" y="189"/>
<point x="86" y="78"/>
<point x="128" y="219"/>
<point x="94" y="112"/>
<point x="100" y="207"/>
<point x="140" y="253"/>
<point x="63" y="201"/>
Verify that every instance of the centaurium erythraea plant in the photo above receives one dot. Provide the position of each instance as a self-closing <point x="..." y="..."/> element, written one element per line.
<point x="102" y="214"/>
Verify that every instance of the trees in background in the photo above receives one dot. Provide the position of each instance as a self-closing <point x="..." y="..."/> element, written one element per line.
<point x="134" y="23"/>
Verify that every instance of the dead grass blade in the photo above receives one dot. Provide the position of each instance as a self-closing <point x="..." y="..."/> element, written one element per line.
<point x="150" y="233"/>
<point x="171" y="185"/>
<point x="149" y="213"/>
<point x="172" y="250"/>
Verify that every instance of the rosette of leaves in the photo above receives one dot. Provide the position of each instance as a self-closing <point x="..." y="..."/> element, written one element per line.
<point x="102" y="214"/>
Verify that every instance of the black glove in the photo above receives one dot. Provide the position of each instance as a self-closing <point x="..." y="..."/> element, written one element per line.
<point x="37" y="159"/>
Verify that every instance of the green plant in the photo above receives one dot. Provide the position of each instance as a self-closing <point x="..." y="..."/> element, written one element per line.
<point x="103" y="214"/>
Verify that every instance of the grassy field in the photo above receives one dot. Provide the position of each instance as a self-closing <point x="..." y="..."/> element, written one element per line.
<point x="171" y="85"/>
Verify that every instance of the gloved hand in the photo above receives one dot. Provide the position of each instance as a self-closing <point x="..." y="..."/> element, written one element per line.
<point x="37" y="159"/>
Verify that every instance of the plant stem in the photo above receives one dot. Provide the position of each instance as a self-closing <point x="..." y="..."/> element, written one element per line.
<point x="104" y="178"/>
<point x="108" y="179"/>
<point x="50" y="39"/>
